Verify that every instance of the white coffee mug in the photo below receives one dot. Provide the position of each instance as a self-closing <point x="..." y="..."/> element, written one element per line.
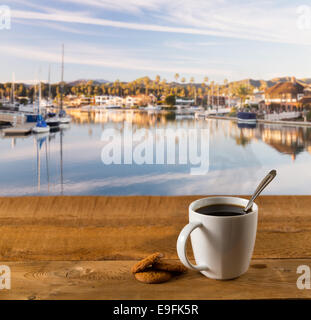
<point x="222" y="245"/>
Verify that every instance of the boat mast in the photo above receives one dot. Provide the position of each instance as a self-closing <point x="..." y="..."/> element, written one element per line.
<point x="13" y="89"/>
<point x="37" y="142"/>
<point x="218" y="97"/>
<point x="34" y="98"/>
<point x="61" y="163"/>
<point x="61" y="132"/>
<point x="49" y="79"/>
<point x="229" y="97"/>
<point x="62" y="80"/>
<point x="47" y="165"/>
<point x="39" y="102"/>
<point x="39" y="91"/>
<point x="39" y="168"/>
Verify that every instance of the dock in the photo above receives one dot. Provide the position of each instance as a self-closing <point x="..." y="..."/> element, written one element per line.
<point x="82" y="247"/>
<point x="17" y="118"/>
<point x="281" y="122"/>
<point x="20" y="129"/>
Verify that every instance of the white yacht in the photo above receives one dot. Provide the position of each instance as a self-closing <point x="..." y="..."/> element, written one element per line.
<point x="151" y="107"/>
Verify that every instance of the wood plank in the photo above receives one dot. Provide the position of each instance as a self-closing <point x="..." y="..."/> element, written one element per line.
<point x="129" y="228"/>
<point x="111" y="280"/>
<point x="19" y="129"/>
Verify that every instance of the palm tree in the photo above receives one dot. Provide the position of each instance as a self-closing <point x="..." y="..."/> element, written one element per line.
<point x="242" y="91"/>
<point x="225" y="83"/>
<point x="212" y="89"/>
<point x="205" y="83"/>
<point x="176" y="76"/>
<point x="228" y="91"/>
<point x="225" y="89"/>
<point x="194" y="89"/>
<point x="134" y="86"/>
<point x="217" y="90"/>
<point x="146" y="84"/>
<point x="157" y="81"/>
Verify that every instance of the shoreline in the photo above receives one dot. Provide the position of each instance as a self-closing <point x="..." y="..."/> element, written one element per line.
<point x="289" y="123"/>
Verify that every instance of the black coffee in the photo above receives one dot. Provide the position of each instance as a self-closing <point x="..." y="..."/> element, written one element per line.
<point x="222" y="210"/>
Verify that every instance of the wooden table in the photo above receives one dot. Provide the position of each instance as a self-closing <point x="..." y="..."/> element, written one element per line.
<point x="83" y="248"/>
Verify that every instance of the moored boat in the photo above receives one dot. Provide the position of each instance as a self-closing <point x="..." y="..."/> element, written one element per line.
<point x="151" y="108"/>
<point x="112" y="106"/>
<point x="52" y="119"/>
<point x="247" y="117"/>
<point x="63" y="117"/>
<point x="41" y="125"/>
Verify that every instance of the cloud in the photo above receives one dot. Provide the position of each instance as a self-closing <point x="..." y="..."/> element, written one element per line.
<point x="105" y="57"/>
<point x="262" y="22"/>
<point x="58" y="27"/>
<point x="79" y="19"/>
<point x="218" y="182"/>
<point x="187" y="45"/>
<point x="132" y="6"/>
<point x="200" y="34"/>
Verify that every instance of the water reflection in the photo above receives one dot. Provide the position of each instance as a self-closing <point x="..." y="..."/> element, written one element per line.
<point x="139" y="118"/>
<point x="69" y="161"/>
<point x="42" y="157"/>
<point x="288" y="140"/>
<point x="285" y="139"/>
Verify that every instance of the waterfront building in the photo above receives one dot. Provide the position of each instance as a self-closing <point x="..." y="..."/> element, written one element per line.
<point x="285" y="96"/>
<point x="131" y="101"/>
<point x="257" y="98"/>
<point x="184" y="101"/>
<point x="140" y="100"/>
<point x="77" y="101"/>
<point x="106" y="100"/>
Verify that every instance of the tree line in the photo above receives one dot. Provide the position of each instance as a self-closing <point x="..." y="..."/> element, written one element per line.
<point x="159" y="87"/>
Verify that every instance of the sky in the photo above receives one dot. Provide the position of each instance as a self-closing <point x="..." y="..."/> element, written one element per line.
<point x="127" y="39"/>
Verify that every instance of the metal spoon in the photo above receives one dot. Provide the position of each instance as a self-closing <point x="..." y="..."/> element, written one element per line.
<point x="265" y="181"/>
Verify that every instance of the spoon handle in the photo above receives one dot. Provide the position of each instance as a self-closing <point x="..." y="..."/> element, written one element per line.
<point x="266" y="180"/>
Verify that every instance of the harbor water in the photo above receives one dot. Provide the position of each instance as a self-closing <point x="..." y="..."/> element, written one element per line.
<point x="71" y="161"/>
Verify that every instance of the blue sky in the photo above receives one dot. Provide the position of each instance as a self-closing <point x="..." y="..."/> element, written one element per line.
<point x="126" y="39"/>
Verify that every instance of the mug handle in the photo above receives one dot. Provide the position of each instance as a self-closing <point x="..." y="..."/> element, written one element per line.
<point x="181" y="246"/>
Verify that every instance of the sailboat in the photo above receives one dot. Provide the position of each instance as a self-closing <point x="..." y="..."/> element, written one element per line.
<point x="52" y="118"/>
<point x="12" y="103"/>
<point x="41" y="126"/>
<point x="63" y="117"/>
<point x="49" y="102"/>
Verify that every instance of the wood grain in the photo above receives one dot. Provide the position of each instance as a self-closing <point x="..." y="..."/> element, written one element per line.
<point x="129" y="228"/>
<point x="83" y="248"/>
<point x="111" y="280"/>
